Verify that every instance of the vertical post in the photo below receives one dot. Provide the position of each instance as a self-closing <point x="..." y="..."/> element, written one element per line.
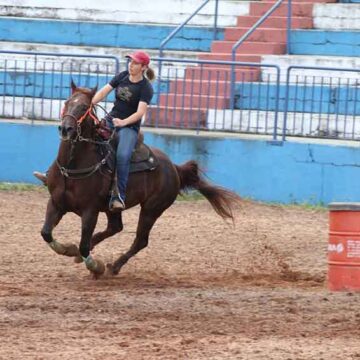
<point x="232" y="85"/>
<point x="286" y="102"/>
<point x="288" y="28"/>
<point x="158" y="88"/>
<point x="216" y="18"/>
<point x="277" y="103"/>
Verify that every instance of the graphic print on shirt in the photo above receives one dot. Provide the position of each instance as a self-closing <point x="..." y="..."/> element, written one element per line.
<point x="124" y="93"/>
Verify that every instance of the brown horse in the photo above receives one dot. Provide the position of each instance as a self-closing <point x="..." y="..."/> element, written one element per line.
<point x="79" y="181"/>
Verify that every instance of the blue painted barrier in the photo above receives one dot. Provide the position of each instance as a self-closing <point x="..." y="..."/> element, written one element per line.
<point x="104" y="34"/>
<point x="301" y="98"/>
<point x="318" y="42"/>
<point x="56" y="85"/>
<point x="294" y="172"/>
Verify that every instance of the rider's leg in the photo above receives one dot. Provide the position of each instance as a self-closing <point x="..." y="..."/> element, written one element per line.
<point x="127" y="142"/>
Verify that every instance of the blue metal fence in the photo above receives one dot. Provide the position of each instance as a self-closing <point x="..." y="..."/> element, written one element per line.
<point x="33" y="85"/>
<point x="195" y="94"/>
<point x="321" y="102"/>
<point x="199" y="97"/>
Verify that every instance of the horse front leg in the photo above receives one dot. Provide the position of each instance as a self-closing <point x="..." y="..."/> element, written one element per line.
<point x="52" y="218"/>
<point x="88" y="223"/>
<point x="114" y="226"/>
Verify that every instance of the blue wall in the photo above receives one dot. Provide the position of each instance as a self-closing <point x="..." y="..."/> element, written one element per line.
<point x="56" y="85"/>
<point x="309" y="98"/>
<point x="104" y="34"/>
<point x="258" y="96"/>
<point x="319" y="42"/>
<point x="294" y="172"/>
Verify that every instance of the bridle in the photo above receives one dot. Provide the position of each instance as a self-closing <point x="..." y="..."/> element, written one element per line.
<point x="85" y="172"/>
<point x="89" y="112"/>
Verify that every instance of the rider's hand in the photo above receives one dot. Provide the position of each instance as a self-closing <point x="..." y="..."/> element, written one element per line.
<point x="119" y="123"/>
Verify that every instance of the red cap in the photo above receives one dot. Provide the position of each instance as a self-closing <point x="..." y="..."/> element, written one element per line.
<point x="140" y="57"/>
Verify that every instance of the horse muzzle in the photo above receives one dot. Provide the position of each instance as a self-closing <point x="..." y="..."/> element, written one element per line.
<point x="67" y="132"/>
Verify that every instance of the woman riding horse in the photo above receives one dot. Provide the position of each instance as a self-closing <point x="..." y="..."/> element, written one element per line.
<point x="133" y="93"/>
<point x="79" y="181"/>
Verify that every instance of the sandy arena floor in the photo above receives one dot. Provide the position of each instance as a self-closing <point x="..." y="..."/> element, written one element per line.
<point x="203" y="289"/>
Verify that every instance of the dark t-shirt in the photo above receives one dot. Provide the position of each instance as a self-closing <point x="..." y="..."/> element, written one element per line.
<point x="128" y="95"/>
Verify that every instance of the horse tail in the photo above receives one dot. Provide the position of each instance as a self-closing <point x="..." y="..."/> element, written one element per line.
<point x="222" y="200"/>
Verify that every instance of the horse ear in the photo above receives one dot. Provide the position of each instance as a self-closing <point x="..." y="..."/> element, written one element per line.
<point x="73" y="86"/>
<point x="93" y="91"/>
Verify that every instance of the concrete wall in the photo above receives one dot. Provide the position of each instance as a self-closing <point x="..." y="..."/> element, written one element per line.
<point x="294" y="172"/>
<point x="127" y="11"/>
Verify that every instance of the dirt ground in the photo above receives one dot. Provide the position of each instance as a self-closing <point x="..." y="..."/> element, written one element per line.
<point x="203" y="289"/>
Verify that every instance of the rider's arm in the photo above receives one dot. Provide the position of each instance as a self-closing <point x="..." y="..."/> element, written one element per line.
<point x="135" y="117"/>
<point x="102" y="93"/>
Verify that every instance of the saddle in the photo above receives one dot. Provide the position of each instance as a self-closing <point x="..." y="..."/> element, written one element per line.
<point x="142" y="159"/>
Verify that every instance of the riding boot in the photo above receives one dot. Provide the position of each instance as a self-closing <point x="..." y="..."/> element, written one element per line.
<point x="116" y="202"/>
<point x="41" y="176"/>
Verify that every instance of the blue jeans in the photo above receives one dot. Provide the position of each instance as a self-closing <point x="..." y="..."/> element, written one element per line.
<point x="127" y="141"/>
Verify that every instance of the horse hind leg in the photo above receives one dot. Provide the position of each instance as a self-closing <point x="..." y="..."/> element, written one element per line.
<point x="52" y="218"/>
<point x="114" y="226"/>
<point x="147" y="220"/>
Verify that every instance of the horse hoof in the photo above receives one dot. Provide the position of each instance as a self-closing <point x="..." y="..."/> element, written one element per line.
<point x="110" y="270"/>
<point x="78" y="259"/>
<point x="100" y="268"/>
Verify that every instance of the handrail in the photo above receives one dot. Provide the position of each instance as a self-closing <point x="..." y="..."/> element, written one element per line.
<point x="175" y="31"/>
<point x="254" y="27"/>
<point x="172" y="35"/>
<point x="243" y="38"/>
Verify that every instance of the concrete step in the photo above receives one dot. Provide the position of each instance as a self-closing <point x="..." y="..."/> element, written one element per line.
<point x="228" y="57"/>
<point x="63" y="63"/>
<point x="197" y="87"/>
<point x="337" y="16"/>
<point x="196" y="101"/>
<point x="342" y="77"/>
<point x="175" y="116"/>
<point x="249" y="47"/>
<point x="263" y="35"/>
<point x="263" y="122"/>
<point x="276" y="22"/>
<point x="298" y="9"/>
<point x="220" y="74"/>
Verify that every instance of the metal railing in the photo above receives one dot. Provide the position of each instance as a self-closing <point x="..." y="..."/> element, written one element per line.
<point x="197" y="96"/>
<point x="322" y="102"/>
<point x="33" y="84"/>
<point x="250" y="31"/>
<point x="179" y="27"/>
<point x="304" y="101"/>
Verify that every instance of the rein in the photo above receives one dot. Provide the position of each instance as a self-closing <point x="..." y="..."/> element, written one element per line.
<point x="85" y="172"/>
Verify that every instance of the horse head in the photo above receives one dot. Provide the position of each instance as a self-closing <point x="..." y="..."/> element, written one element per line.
<point x="77" y="112"/>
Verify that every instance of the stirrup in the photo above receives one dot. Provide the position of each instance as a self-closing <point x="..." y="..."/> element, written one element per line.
<point x="116" y="204"/>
